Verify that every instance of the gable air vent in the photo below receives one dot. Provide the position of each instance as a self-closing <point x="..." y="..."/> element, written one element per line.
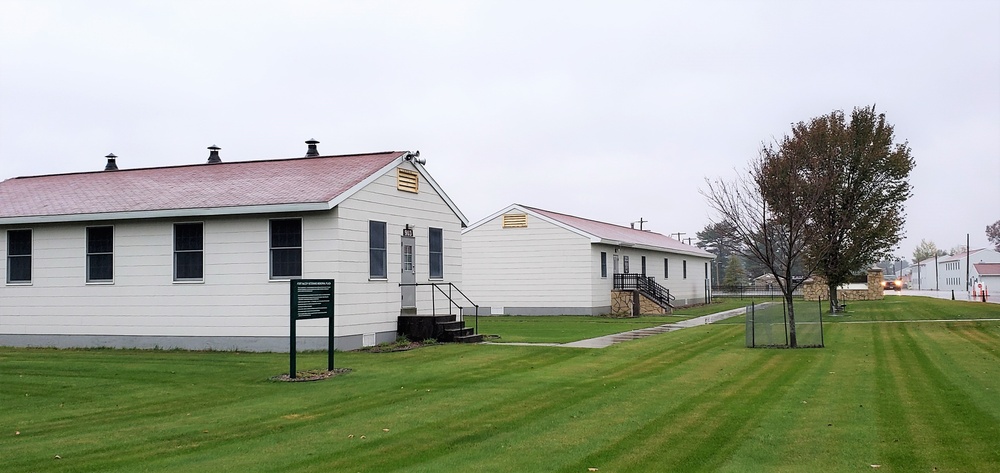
<point x="515" y="221"/>
<point x="407" y="180"/>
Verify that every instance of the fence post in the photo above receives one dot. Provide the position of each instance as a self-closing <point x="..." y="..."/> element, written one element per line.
<point x="784" y="317"/>
<point x="822" y="342"/>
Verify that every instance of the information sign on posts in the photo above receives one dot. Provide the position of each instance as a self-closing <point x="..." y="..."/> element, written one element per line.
<point x="310" y="299"/>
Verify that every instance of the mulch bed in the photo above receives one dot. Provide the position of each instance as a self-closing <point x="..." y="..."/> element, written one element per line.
<point x="311" y="375"/>
<point x="390" y="348"/>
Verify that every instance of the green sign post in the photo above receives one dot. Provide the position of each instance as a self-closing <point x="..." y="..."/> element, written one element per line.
<point x="310" y="299"/>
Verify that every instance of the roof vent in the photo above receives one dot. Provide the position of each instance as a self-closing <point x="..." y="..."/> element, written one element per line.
<point x="213" y="157"/>
<point x="312" y="151"/>
<point x="111" y="162"/>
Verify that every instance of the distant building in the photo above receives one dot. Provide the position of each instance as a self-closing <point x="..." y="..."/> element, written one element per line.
<point x="528" y="261"/>
<point x="952" y="269"/>
<point x="921" y="275"/>
<point x="987" y="274"/>
<point x="200" y="256"/>
<point x="765" y="281"/>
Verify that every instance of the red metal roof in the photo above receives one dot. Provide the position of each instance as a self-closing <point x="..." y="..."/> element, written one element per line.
<point x="987" y="269"/>
<point x="227" y="184"/>
<point x="627" y="235"/>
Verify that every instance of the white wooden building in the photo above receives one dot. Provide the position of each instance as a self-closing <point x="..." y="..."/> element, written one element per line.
<point x="528" y="261"/>
<point x="200" y="256"/>
<point x="952" y="269"/>
<point x="986" y="277"/>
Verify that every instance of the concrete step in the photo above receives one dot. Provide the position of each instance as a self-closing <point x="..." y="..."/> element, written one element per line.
<point x="469" y="339"/>
<point x="451" y="325"/>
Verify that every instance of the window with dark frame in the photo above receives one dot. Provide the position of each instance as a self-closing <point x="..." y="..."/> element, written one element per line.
<point x="643" y="261"/>
<point x="377" y="255"/>
<point x="286" y="248"/>
<point x="625" y="263"/>
<point x="435" y="241"/>
<point x="100" y="254"/>
<point x="666" y="268"/>
<point x="604" y="264"/>
<point x="18" y="256"/>
<point x="189" y="246"/>
<point x="684" y="269"/>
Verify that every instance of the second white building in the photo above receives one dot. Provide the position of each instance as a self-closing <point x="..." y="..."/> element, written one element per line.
<point x="528" y="261"/>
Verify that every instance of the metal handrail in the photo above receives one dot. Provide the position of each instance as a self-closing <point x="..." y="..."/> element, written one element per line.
<point x="644" y="284"/>
<point x="451" y="300"/>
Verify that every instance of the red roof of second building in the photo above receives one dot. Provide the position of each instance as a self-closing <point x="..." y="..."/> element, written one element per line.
<point x="227" y="184"/>
<point x="608" y="231"/>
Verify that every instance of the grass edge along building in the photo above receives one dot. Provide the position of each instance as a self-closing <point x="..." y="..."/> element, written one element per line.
<point x="528" y="261"/>
<point x="199" y="256"/>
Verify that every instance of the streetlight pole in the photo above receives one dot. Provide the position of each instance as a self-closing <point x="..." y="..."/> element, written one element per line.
<point x="937" y="285"/>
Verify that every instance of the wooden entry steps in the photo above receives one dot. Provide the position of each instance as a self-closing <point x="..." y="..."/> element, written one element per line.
<point x="443" y="328"/>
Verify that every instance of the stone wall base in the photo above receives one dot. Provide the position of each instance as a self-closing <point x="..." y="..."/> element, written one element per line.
<point x="816" y="289"/>
<point x="632" y="304"/>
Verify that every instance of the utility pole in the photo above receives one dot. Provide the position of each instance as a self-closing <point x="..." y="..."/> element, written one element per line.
<point x="968" y="253"/>
<point x="688" y="240"/>
<point x="679" y="235"/>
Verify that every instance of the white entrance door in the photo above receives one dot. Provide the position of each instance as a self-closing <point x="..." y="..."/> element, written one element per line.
<point x="408" y="274"/>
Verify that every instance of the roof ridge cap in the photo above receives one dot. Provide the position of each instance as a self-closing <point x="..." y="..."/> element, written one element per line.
<point x="224" y="163"/>
<point x="592" y="220"/>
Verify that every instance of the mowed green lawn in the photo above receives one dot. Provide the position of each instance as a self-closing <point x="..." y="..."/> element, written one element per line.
<point x="909" y="397"/>
<point x="570" y="328"/>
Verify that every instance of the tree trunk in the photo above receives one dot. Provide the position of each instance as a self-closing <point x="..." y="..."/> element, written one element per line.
<point x="834" y="302"/>
<point x="792" y="343"/>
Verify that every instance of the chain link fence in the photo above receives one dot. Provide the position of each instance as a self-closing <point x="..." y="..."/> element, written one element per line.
<point x="767" y="325"/>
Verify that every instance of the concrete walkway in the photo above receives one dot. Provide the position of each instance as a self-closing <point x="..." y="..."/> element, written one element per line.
<point x="608" y="340"/>
<point x="959" y="295"/>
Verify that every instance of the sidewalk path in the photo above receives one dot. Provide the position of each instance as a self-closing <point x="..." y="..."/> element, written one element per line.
<point x="959" y="295"/>
<point x="608" y="340"/>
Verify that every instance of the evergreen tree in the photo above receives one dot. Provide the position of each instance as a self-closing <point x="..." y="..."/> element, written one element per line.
<point x="735" y="274"/>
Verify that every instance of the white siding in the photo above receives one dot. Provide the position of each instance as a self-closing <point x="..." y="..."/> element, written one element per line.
<point x="379" y="300"/>
<point x="236" y="297"/>
<point x="542" y="265"/>
<point x="690" y="290"/>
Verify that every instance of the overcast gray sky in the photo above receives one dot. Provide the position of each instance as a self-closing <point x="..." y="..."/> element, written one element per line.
<point x="605" y="110"/>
